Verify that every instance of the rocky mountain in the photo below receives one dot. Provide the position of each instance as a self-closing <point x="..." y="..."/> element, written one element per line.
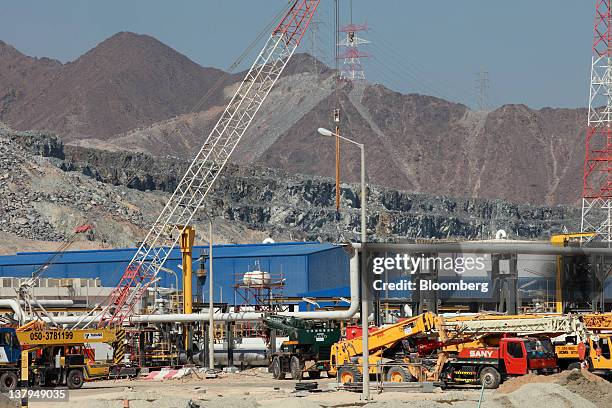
<point x="125" y="82"/>
<point x="50" y="188"/>
<point x="132" y="93"/>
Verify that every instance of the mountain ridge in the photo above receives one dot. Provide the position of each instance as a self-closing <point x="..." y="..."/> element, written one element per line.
<point x="104" y="99"/>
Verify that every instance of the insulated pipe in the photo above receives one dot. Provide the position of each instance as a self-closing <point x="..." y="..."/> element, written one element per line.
<point x="245" y="316"/>
<point x="354" y="302"/>
<point x="502" y="247"/>
<point x="489" y="247"/>
<point x="13" y="304"/>
<point x="50" y="302"/>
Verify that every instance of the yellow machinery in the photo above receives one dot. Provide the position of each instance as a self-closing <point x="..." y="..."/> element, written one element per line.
<point x="462" y="349"/>
<point x="595" y="354"/>
<point x="54" y="356"/>
<point x="345" y="361"/>
<point x="186" y="244"/>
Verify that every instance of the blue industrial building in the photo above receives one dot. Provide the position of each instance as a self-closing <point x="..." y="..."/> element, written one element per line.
<point x="304" y="266"/>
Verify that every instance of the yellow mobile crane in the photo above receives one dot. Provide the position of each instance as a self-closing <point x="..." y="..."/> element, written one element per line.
<point x="459" y="350"/>
<point x="594" y="353"/>
<point x="389" y="349"/>
<point x="54" y="356"/>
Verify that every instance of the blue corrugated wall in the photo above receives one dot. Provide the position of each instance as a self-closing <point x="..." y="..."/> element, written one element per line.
<point x="300" y="264"/>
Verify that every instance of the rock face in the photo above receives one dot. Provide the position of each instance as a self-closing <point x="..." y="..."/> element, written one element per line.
<point x="418" y="143"/>
<point x="286" y="206"/>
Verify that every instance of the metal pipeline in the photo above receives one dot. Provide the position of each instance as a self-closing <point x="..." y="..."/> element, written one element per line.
<point x="489" y="247"/>
<point x="50" y="302"/>
<point x="245" y="316"/>
<point x="502" y="247"/>
<point x="13" y="304"/>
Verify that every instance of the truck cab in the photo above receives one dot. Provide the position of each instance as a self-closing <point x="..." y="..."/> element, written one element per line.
<point x="10" y="349"/>
<point x="595" y="354"/>
<point x="491" y="364"/>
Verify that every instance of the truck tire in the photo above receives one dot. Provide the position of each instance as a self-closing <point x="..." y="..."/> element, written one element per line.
<point x="398" y="374"/>
<point x="574" y="366"/>
<point x="490" y="378"/>
<point x="296" y="368"/>
<point x="75" y="379"/>
<point x="277" y="369"/>
<point x="8" y="381"/>
<point x="348" y="375"/>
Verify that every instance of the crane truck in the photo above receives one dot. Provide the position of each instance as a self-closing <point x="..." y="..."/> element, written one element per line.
<point x="55" y="357"/>
<point x="469" y="351"/>
<point x="585" y="340"/>
<point x="594" y="354"/>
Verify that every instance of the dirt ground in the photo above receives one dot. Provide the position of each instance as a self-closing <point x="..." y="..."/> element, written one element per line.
<point x="256" y="389"/>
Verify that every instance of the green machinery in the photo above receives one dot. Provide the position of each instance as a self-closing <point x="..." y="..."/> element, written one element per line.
<point x="308" y="347"/>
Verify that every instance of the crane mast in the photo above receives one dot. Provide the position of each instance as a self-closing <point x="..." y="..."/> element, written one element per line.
<point x="195" y="185"/>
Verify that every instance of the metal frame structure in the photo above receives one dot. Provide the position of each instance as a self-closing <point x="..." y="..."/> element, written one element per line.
<point x="597" y="182"/>
<point x="193" y="188"/>
<point x="260" y="297"/>
<point x="352" y="70"/>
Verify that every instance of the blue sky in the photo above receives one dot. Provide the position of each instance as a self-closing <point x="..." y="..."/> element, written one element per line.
<point x="536" y="52"/>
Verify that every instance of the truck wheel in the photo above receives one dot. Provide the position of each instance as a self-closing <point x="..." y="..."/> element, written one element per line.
<point x="314" y="375"/>
<point x="348" y="375"/>
<point x="490" y="378"/>
<point x="8" y="381"/>
<point x="277" y="369"/>
<point x="574" y="366"/>
<point x="74" y="379"/>
<point x="296" y="368"/>
<point x="398" y="374"/>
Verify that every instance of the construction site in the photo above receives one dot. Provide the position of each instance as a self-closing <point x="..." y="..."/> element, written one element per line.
<point x="513" y="313"/>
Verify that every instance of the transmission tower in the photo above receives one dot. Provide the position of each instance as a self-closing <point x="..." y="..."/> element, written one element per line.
<point x="597" y="181"/>
<point x="483" y="87"/>
<point x="352" y="70"/>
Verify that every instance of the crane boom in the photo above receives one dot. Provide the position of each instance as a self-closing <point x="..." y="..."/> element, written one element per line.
<point x="518" y="324"/>
<point x="193" y="188"/>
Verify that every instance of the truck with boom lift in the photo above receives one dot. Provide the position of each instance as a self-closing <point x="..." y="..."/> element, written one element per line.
<point x="429" y="347"/>
<point x="55" y="357"/>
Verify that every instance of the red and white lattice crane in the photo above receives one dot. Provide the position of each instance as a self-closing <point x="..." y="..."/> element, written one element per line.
<point x="193" y="188"/>
<point x="597" y="189"/>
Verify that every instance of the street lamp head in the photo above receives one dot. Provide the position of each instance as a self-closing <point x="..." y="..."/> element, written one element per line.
<point x="325" y="132"/>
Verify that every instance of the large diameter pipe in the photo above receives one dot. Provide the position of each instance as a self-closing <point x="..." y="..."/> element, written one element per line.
<point x="51" y="302"/>
<point x="245" y="316"/>
<point x="13" y="304"/>
<point x="502" y="247"/>
<point x="338" y="314"/>
<point x="490" y="247"/>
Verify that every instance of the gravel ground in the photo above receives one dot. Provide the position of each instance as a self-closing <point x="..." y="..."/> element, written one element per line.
<point x="257" y="390"/>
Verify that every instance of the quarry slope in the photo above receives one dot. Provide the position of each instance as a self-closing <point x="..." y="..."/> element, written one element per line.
<point x="106" y="99"/>
<point x="51" y="188"/>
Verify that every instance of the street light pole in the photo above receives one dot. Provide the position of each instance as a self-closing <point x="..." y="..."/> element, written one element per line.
<point x="365" y="354"/>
